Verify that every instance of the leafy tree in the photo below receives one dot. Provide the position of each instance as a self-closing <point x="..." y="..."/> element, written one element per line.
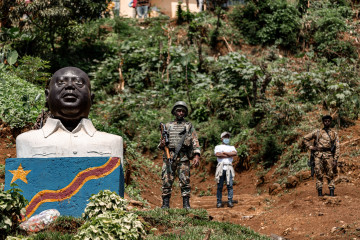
<point x="54" y="24"/>
<point x="268" y="22"/>
<point x="5" y="6"/>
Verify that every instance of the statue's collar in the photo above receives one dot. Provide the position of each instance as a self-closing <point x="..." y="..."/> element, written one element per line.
<point x="52" y="125"/>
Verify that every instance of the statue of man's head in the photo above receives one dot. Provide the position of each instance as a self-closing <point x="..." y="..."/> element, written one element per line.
<point x="69" y="95"/>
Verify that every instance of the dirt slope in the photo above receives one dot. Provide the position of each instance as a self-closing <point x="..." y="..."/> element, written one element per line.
<point x="295" y="213"/>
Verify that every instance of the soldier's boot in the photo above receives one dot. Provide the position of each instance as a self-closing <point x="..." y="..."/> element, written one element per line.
<point x="166" y="202"/>
<point x="186" y="202"/>
<point x="332" y="190"/>
<point x="320" y="192"/>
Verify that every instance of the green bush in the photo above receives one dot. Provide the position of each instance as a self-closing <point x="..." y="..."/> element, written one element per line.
<point x="324" y="25"/>
<point x="196" y="223"/>
<point x="103" y="202"/>
<point x="270" y="151"/>
<point x="107" y="218"/>
<point x="294" y="159"/>
<point x="34" y="70"/>
<point x="20" y="101"/>
<point x="117" y="224"/>
<point x="47" y="236"/>
<point x="268" y="22"/>
<point x="12" y="208"/>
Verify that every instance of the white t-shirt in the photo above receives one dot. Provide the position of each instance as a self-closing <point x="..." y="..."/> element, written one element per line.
<point x="224" y="148"/>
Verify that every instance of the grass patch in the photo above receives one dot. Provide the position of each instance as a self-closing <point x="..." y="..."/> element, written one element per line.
<point x="193" y="224"/>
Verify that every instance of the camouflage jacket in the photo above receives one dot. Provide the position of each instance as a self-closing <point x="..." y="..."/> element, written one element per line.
<point x="323" y="141"/>
<point x="191" y="143"/>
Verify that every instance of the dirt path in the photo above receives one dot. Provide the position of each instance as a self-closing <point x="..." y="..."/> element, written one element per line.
<point x="295" y="213"/>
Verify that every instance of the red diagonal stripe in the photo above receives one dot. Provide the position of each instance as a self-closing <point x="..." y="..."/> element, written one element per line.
<point x="68" y="190"/>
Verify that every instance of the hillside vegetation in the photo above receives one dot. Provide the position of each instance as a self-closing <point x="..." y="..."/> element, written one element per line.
<point x="265" y="71"/>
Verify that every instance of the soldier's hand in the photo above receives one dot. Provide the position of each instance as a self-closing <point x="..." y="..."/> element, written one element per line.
<point x="162" y="142"/>
<point x="196" y="160"/>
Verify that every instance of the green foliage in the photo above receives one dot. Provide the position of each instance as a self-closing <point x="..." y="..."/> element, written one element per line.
<point x="179" y="14"/>
<point x="334" y="84"/>
<point x="107" y="218"/>
<point x="49" y="235"/>
<point x="324" y="25"/>
<point x="232" y="75"/>
<point x="53" y="25"/>
<point x="2" y="171"/>
<point x="20" y="101"/>
<point x="12" y="208"/>
<point x="34" y="70"/>
<point x="117" y="224"/>
<point x="197" y="224"/>
<point x="268" y="22"/>
<point x="102" y="202"/>
<point x="270" y="151"/>
<point x="294" y="159"/>
<point x="8" y="55"/>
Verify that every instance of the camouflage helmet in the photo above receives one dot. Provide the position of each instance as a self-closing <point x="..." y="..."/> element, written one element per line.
<point x="180" y="104"/>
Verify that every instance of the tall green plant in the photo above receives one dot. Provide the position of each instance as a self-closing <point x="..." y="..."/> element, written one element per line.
<point x="20" y="101"/>
<point x="323" y="25"/>
<point x="12" y="209"/>
<point x="268" y="22"/>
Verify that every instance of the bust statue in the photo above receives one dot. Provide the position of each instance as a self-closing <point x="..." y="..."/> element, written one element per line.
<point x="68" y="132"/>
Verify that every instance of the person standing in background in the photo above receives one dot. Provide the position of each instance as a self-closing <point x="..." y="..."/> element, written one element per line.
<point x="142" y="8"/>
<point x="325" y="147"/>
<point x="224" y="169"/>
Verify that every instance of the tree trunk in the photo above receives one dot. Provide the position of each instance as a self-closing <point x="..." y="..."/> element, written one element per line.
<point x="188" y="89"/>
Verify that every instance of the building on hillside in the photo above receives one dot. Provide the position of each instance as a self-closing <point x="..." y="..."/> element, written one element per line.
<point x="167" y="7"/>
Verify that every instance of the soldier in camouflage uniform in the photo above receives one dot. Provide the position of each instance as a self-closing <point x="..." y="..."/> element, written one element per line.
<point x="326" y="150"/>
<point x="190" y="150"/>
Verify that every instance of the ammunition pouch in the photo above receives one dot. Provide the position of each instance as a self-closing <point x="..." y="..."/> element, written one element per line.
<point x="187" y="141"/>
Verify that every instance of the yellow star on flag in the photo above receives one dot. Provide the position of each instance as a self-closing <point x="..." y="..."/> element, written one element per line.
<point x="19" y="174"/>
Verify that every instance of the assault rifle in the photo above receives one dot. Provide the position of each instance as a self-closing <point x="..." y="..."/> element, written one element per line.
<point x="311" y="163"/>
<point x="165" y="136"/>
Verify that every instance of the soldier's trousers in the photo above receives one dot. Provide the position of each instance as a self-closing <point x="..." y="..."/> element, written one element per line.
<point x="324" y="169"/>
<point x="180" y="169"/>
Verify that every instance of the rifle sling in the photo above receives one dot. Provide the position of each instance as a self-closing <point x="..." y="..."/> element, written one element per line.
<point x="331" y="141"/>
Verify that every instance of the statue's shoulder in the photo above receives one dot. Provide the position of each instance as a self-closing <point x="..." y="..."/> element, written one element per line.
<point x="29" y="136"/>
<point x="108" y="136"/>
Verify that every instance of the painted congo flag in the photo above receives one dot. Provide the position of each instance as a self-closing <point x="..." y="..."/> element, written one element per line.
<point x="63" y="183"/>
